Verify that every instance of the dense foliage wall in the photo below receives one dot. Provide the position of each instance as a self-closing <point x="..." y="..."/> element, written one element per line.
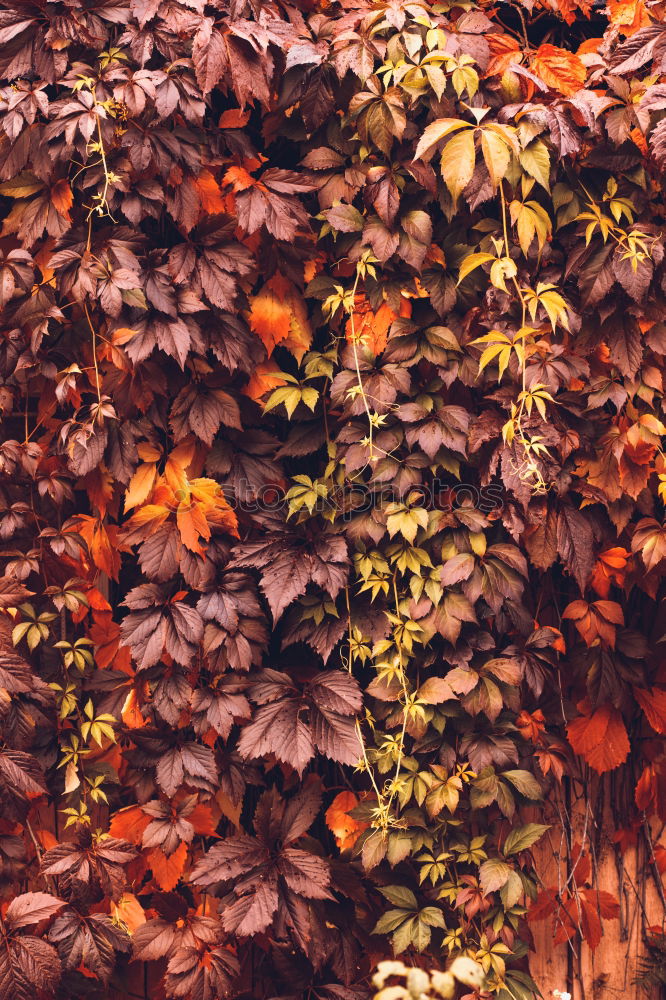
<point x="331" y="485"/>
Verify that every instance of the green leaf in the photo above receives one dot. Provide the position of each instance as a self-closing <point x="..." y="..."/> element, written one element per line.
<point x="399" y="847"/>
<point x="518" y="986"/>
<point x="391" y="920"/>
<point x="421" y="934"/>
<point x="400" y="895"/>
<point x="433" y="916"/>
<point x="457" y="164"/>
<point x="525" y="783"/>
<point x="484" y="789"/>
<point x="345" y="218"/>
<point x="523" y="837"/>
<point x="404" y="935"/>
<point x="374" y="849"/>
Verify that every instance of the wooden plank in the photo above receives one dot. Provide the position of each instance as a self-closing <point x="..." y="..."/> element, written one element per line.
<point x="608" y="972"/>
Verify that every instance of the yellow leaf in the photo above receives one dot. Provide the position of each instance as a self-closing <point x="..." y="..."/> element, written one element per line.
<point x="496" y="155"/>
<point x="140" y="485"/>
<point x="434" y="133"/>
<point x="472" y="261"/>
<point x="535" y="160"/>
<point x="458" y="162"/>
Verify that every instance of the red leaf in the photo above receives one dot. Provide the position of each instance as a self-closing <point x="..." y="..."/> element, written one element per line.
<point x="600" y="737"/>
<point x="653" y="704"/>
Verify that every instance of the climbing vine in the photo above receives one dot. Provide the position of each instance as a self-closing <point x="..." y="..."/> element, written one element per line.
<point x="331" y="494"/>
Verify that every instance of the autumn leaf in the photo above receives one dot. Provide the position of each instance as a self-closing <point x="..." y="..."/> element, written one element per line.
<point x="128" y="912"/>
<point x="628" y="15"/>
<point x="62" y="198"/>
<point x="600" y="737"/>
<point x="609" y="568"/>
<point x="344" y="828"/>
<point x="371" y="328"/>
<point x="505" y="51"/>
<point x="531" y="725"/>
<point x="653" y="703"/>
<point x="210" y="195"/>
<point x="233" y="118"/>
<point x="103" y="543"/>
<point x="129" y="824"/>
<point x="140" y="485"/>
<point x="457" y="162"/>
<point x="649" y="540"/>
<point x="266" y="375"/>
<point x="278" y="316"/>
<point x="167" y="871"/>
<point x="595" y="621"/>
<point x="559" y="69"/>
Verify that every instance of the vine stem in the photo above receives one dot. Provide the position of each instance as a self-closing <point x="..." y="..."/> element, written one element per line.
<point x="94" y="351"/>
<point x="357" y="364"/>
<point x="359" y="731"/>
<point x="405" y="693"/>
<point x="517" y="420"/>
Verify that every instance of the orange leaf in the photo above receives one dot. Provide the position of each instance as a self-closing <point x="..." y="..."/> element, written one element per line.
<point x="628" y="15"/>
<point x="209" y="193"/>
<point x="345" y="829"/>
<point x="123" y="335"/>
<point x="239" y="179"/>
<point x="504" y="51"/>
<point x="596" y="903"/>
<point x="167" y="870"/>
<point x="277" y="313"/>
<point x="599" y="737"/>
<point x="234" y="118"/>
<point x="129" y="824"/>
<point x="559" y="69"/>
<point x="595" y="621"/>
<point x="531" y="725"/>
<point x="581" y="865"/>
<point x="265" y="376"/>
<point x="46" y="839"/>
<point x="131" y="712"/>
<point x="98" y="484"/>
<point x="588" y="46"/>
<point x="609" y="568"/>
<point x="202" y="820"/>
<point x="128" y="911"/>
<point x="102" y="542"/>
<point x="62" y="198"/>
<point x="192" y="524"/>
<point x="269" y="314"/>
<point x="372" y="327"/>
<point x="645" y="794"/>
<point x="215" y="507"/>
<point x="140" y="485"/>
